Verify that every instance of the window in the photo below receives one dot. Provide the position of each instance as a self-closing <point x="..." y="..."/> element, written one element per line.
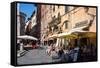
<point x="66" y="9"/>
<point x="50" y="7"/>
<point x="54" y="8"/>
<point x="66" y="24"/>
<point x="58" y="14"/>
<point x="58" y="19"/>
<point x="58" y="6"/>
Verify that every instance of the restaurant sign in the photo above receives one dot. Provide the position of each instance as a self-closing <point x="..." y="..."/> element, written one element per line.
<point x="82" y="23"/>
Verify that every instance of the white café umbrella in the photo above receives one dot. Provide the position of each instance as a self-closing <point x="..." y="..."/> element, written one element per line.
<point x="27" y="37"/>
<point x="72" y="33"/>
<point x="53" y="36"/>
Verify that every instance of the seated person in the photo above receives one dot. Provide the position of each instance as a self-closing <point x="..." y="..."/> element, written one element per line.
<point x="60" y="52"/>
<point x="49" y="49"/>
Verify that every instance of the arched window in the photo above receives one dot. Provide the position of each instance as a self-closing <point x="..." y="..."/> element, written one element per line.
<point x="66" y="24"/>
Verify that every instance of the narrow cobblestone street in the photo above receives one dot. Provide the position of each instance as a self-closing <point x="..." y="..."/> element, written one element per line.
<point x="36" y="56"/>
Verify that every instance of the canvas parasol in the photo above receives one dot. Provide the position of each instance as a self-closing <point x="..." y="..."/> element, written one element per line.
<point x="27" y="37"/>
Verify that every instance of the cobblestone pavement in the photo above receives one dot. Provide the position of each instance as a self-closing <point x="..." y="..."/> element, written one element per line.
<point x="36" y="56"/>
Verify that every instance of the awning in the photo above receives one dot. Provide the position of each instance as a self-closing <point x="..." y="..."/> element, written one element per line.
<point x="74" y="34"/>
<point x="80" y="28"/>
<point x="67" y="35"/>
<point x="53" y="36"/>
<point x="27" y="37"/>
<point x="89" y="35"/>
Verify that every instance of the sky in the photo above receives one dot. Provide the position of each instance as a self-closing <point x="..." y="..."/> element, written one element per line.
<point x="27" y="9"/>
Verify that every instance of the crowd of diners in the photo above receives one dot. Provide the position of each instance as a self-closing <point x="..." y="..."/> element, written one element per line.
<point x="72" y="53"/>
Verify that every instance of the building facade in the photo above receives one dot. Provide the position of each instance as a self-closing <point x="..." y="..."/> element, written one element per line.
<point x="20" y="31"/>
<point x="38" y="20"/>
<point x="33" y="25"/>
<point x="21" y="24"/>
<point x="46" y="17"/>
<point x="30" y="25"/>
<point x="62" y="19"/>
<point x="85" y="18"/>
<point x="73" y="17"/>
